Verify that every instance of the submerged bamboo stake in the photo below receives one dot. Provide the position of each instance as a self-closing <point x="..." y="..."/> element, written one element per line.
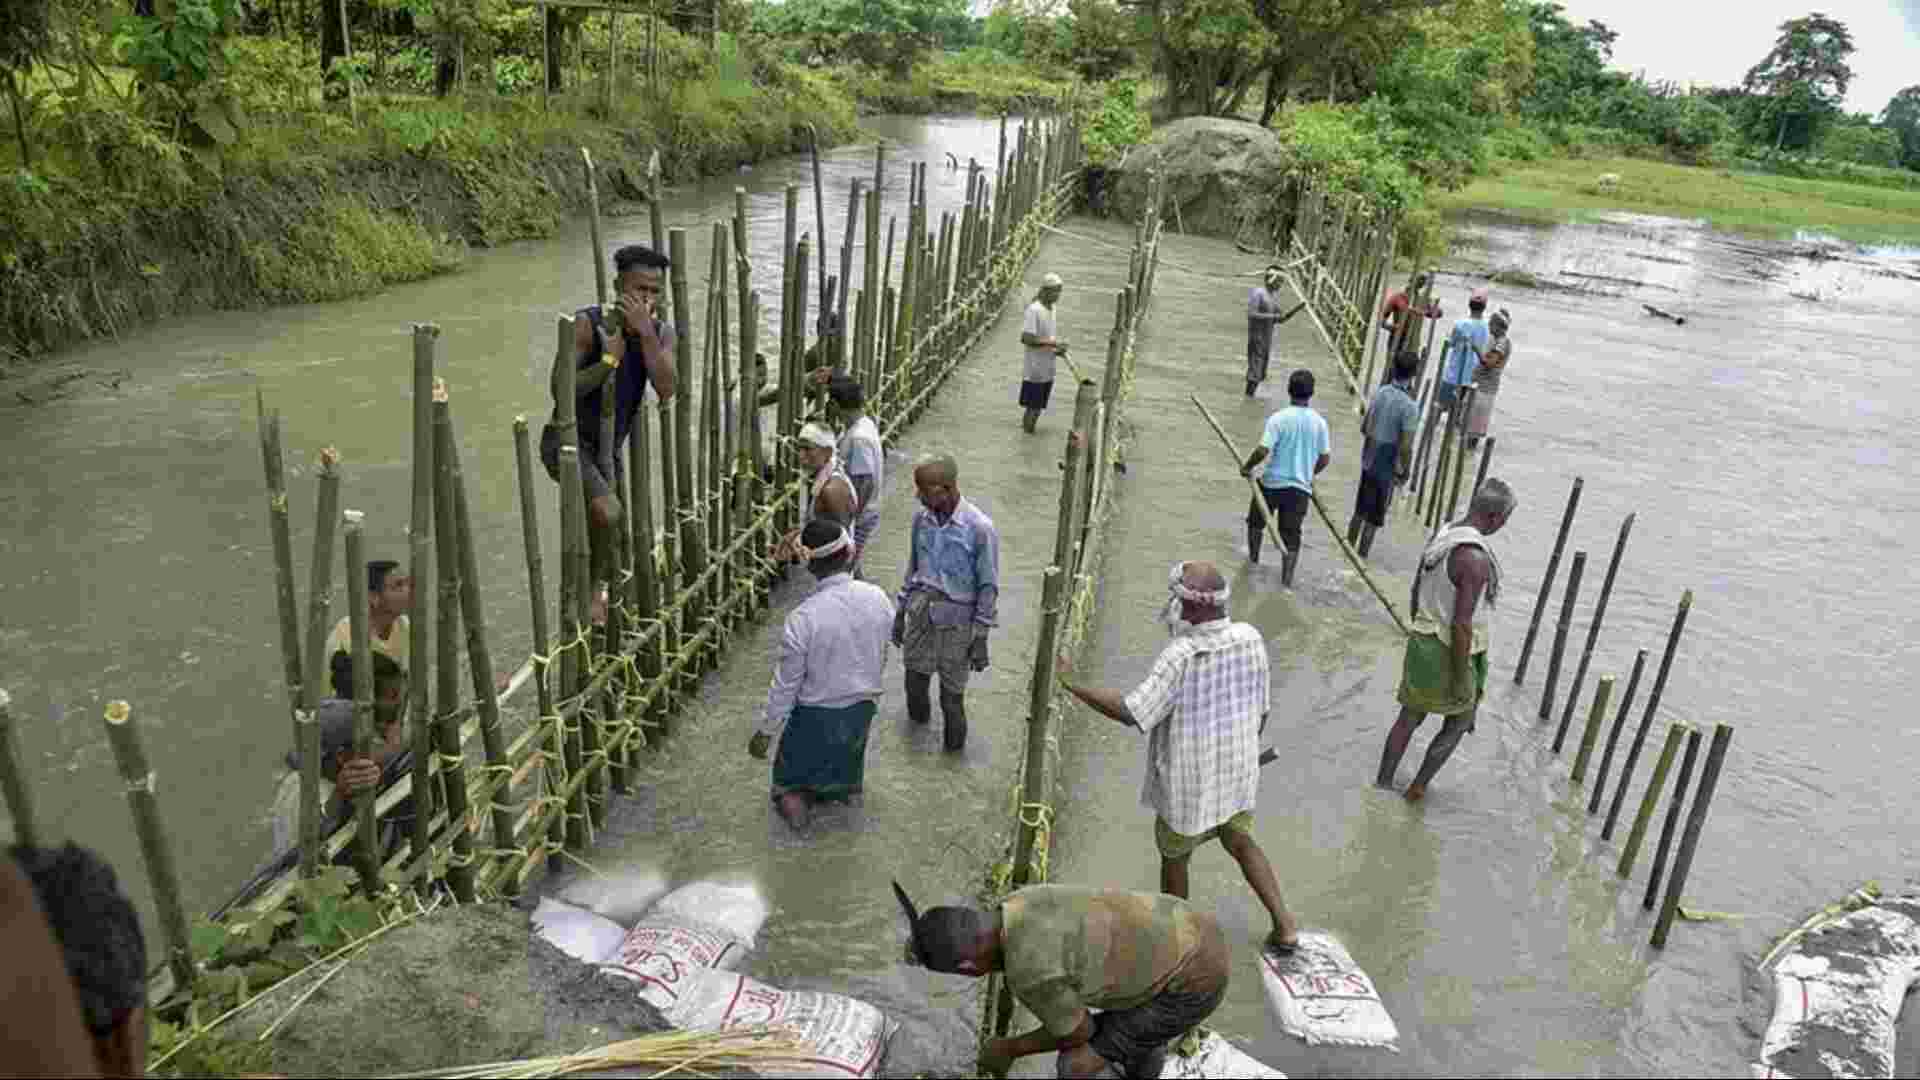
<point x="1690" y="840"/>
<point x="1546" y="582"/>
<point x="1599" y="616"/>
<point x="420" y="618"/>
<point x="1560" y="644"/>
<point x="447" y="742"/>
<point x="1649" y="800"/>
<point x="1653" y="704"/>
<point x="365" y="850"/>
<point x="1597" y="716"/>
<point x="1674" y="806"/>
<point x="130" y="752"/>
<point x="537" y="600"/>
<point x="319" y="601"/>
<point x="13" y="779"/>
<point x="1613" y="737"/>
<point x="282" y="537"/>
<point x="1040" y="713"/>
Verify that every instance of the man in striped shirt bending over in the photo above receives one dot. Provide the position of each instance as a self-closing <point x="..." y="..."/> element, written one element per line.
<point x="1202" y="707"/>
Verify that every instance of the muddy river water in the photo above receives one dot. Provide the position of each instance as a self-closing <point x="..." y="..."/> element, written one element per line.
<point x="1764" y="445"/>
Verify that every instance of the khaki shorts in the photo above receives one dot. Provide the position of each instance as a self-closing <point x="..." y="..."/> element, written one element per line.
<point x="1173" y="846"/>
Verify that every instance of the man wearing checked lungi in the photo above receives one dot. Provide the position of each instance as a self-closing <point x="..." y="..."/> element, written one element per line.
<point x="1445" y="670"/>
<point x="826" y="680"/>
<point x="950" y="599"/>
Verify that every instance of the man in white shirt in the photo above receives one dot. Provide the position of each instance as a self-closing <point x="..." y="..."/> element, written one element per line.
<point x="1202" y="707"/>
<point x="1039" y="334"/>
<point x="826" y="681"/>
<point x="863" y="458"/>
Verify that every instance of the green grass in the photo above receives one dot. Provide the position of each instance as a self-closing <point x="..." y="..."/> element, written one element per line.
<point x="945" y="82"/>
<point x="1756" y="203"/>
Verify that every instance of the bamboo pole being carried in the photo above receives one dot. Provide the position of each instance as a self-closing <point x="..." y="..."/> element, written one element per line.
<point x="1546" y="582"/>
<point x="537" y="600"/>
<point x="449" y="752"/>
<point x="366" y="850"/>
<point x="282" y="538"/>
<point x="420" y="617"/>
<point x="319" y="601"/>
<point x="1646" y="720"/>
<point x="1690" y="840"/>
<point x="13" y="779"/>
<point x="130" y="752"/>
<point x="1599" y="616"/>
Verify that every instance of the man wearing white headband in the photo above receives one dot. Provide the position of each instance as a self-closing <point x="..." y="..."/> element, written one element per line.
<point x="1039" y="335"/>
<point x="826" y="684"/>
<point x="1202" y="707"/>
<point x="833" y="496"/>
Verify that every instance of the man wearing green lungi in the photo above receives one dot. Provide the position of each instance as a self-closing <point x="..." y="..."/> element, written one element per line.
<point x="1445" y="670"/>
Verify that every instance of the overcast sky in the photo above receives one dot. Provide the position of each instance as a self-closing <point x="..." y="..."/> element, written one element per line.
<point x="1715" y="43"/>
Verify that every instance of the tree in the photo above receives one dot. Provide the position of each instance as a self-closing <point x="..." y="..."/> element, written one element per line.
<point x="1569" y="63"/>
<point x="888" y="34"/>
<point x="24" y="29"/>
<point x="1902" y="117"/>
<point x="1805" y="76"/>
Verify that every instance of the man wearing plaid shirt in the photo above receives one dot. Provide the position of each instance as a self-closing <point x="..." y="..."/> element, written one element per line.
<point x="1202" y="707"/>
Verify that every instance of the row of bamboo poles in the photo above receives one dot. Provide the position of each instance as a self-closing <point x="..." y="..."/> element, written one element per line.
<point x="1338" y="253"/>
<point x="1070" y="582"/>
<point x="681" y="586"/>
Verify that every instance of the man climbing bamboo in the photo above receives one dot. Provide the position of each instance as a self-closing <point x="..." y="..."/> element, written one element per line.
<point x="1445" y="668"/>
<point x="618" y="349"/>
<point x="951" y="598"/>
<point x="1391" y="425"/>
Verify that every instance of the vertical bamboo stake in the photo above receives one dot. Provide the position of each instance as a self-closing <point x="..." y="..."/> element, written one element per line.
<point x="366" y="841"/>
<point x="870" y="354"/>
<point x="130" y="753"/>
<point x="572" y="554"/>
<point x="1599" y="615"/>
<point x="1690" y="840"/>
<point x="1546" y="582"/>
<point x="1436" y="482"/>
<point x="840" y="357"/>
<point x="820" y="225"/>
<point x="1650" y="799"/>
<point x="1039" y="715"/>
<point x="786" y="421"/>
<point x="420" y="618"/>
<point x="13" y="779"/>
<point x="1674" y="806"/>
<point x="1560" y="644"/>
<point x="546" y="60"/>
<point x="613" y="55"/>
<point x="593" y="229"/>
<point x="450" y="753"/>
<point x="1602" y="693"/>
<point x="1653" y="705"/>
<point x="319" y="602"/>
<point x="1480" y="477"/>
<point x="537" y="599"/>
<point x="282" y="537"/>
<point x="594" y="788"/>
<point x="1613" y="737"/>
<point x="1467" y="397"/>
<point x="693" y="550"/>
<point x="645" y="566"/>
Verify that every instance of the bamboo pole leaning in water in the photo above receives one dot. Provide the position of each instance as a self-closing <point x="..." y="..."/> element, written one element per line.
<point x="1690" y="840"/>
<point x="553" y="772"/>
<point x="1560" y="643"/>
<point x="13" y="779"/>
<point x="281" y="535"/>
<point x="1599" y="616"/>
<point x="1596" y="717"/>
<point x="319" y="601"/>
<point x="1674" y="807"/>
<point x="1546" y="582"/>
<point x="1613" y="737"/>
<point x="130" y="753"/>
<point x="420" y="617"/>
<point x="1646" y="720"/>
<point x="366" y="854"/>
<point x="449" y="752"/>
<point x="1650" y="799"/>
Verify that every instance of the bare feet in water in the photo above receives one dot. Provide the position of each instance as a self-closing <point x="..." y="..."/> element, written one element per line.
<point x="1416" y="792"/>
<point x="796" y="809"/>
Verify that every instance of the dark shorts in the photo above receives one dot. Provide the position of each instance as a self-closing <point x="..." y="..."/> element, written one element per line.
<point x="1376" y="486"/>
<point x="1136" y="1039"/>
<point x="1259" y="348"/>
<point x="592" y="479"/>
<point x="1444" y="393"/>
<point x="1289" y="506"/>
<point x="1034" y="395"/>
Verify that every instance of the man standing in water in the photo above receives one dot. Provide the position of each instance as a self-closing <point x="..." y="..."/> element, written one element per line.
<point x="389" y="598"/>
<point x="1486" y="382"/>
<point x="1445" y="669"/>
<point x="619" y="348"/>
<point x="827" y="680"/>
<point x="1391" y="424"/>
<point x="1202" y="707"/>
<point x="833" y="494"/>
<point x="951" y="597"/>
<point x="1398" y="302"/>
<point x="1263" y="314"/>
<point x="1296" y="446"/>
<point x="1040" y="336"/>
<point x="863" y="457"/>
<point x="1460" y="356"/>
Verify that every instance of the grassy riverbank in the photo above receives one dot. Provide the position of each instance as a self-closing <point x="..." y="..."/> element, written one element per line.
<point x="1762" y="204"/>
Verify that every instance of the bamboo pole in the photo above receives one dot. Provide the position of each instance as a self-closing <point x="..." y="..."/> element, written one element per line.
<point x="1653" y="705"/>
<point x="1465" y="410"/>
<point x="1086" y="397"/>
<point x="572" y="554"/>
<point x="1613" y="737"/>
<point x="787" y="420"/>
<point x="590" y="669"/>
<point x="366" y="842"/>
<point x="1546" y="582"/>
<point x="1602" y="693"/>
<point x="645" y="566"/>
<point x="1560" y="643"/>
<point x="13" y="779"/>
<point x="840" y="358"/>
<point x="820" y="226"/>
<point x="130" y="753"/>
<point x="1674" y="806"/>
<point x="1040" y="712"/>
<point x="537" y="600"/>
<point x="319" y="625"/>
<point x="593" y="231"/>
<point x="1649" y="799"/>
<point x="281" y="535"/>
<point x="420" y="556"/>
<point x="1480" y="477"/>
<point x="693" y="554"/>
<point x="1690" y="840"/>
<point x="449" y="751"/>
<point x="1599" y="615"/>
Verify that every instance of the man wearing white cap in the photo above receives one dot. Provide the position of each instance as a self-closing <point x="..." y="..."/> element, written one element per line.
<point x="833" y="497"/>
<point x="1039" y="335"/>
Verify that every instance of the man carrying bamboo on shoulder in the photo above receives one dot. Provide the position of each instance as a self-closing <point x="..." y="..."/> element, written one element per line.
<point x="618" y="350"/>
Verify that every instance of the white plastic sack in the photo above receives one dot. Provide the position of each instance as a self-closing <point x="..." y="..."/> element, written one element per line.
<point x="1320" y="995"/>
<point x="623" y="895"/>
<point x="577" y="932"/>
<point x="843" y="1036"/>
<point x="1837" y="997"/>
<point x="698" y="927"/>
<point x="1217" y="1059"/>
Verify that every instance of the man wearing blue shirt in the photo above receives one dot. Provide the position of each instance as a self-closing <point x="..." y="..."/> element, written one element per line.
<point x="950" y="600"/>
<point x="1460" y="356"/>
<point x="1295" y="446"/>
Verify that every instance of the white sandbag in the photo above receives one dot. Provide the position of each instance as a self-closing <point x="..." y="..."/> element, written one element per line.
<point x="844" y="1037"/>
<point x="1320" y="995"/>
<point x="577" y="932"/>
<point x="622" y="895"/>
<point x="698" y="927"/>
<point x="1215" y="1059"/>
<point x="1837" y="996"/>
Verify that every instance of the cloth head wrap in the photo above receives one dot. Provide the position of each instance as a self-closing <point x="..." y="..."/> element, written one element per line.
<point x="816" y="436"/>
<point x="1215" y="599"/>
<point x="833" y="547"/>
<point x="1503" y="318"/>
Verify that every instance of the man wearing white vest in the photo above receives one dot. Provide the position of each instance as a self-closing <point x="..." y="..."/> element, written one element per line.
<point x="1445" y="670"/>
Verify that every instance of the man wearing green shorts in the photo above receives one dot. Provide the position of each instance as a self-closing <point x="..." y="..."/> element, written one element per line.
<point x="1445" y="670"/>
<point x="1202" y="708"/>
